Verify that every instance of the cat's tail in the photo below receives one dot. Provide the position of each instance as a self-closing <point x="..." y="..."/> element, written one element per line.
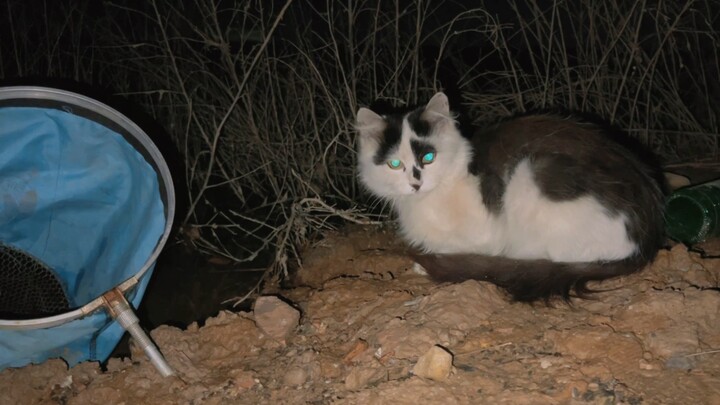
<point x="527" y="280"/>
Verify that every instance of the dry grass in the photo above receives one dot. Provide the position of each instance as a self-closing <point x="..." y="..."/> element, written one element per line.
<point x="259" y="95"/>
<point x="650" y="67"/>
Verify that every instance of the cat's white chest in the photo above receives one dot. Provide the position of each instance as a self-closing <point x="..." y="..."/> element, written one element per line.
<point x="450" y="219"/>
<point x="453" y="219"/>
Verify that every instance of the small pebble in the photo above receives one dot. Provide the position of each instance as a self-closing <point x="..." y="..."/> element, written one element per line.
<point x="646" y="365"/>
<point x="680" y="362"/>
<point x="245" y="380"/>
<point x="435" y="364"/>
<point x="276" y="318"/>
<point x="295" y="376"/>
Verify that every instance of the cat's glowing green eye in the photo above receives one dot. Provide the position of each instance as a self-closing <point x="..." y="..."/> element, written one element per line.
<point x="395" y="164"/>
<point x="428" y="158"/>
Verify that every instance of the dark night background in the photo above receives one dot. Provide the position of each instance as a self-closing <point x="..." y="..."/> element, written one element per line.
<point x="252" y="101"/>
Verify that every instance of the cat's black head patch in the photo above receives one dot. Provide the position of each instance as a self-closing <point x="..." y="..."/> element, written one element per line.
<point x="390" y="139"/>
<point x="416" y="173"/>
<point x="420" y="126"/>
<point x="420" y="149"/>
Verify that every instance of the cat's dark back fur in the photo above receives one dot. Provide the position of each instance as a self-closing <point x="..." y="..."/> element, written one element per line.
<point x="572" y="157"/>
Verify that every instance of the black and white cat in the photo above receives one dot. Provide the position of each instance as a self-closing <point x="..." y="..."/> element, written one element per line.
<point x="539" y="204"/>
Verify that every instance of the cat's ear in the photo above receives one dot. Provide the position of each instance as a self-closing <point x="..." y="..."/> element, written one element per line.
<point x="439" y="105"/>
<point x="369" y="124"/>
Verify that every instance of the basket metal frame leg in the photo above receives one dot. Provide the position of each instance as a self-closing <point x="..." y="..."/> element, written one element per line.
<point x="120" y="310"/>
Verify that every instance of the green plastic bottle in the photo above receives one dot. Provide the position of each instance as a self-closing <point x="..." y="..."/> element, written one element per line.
<point x="692" y="213"/>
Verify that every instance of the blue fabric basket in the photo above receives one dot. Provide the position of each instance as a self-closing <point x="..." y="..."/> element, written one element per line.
<point x="85" y="192"/>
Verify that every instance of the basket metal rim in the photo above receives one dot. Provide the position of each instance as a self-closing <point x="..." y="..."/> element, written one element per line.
<point x="79" y="100"/>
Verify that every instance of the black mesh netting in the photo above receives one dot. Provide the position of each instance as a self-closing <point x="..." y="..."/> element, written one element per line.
<point x="28" y="288"/>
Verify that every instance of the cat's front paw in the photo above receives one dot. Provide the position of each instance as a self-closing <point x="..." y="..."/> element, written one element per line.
<point x="418" y="269"/>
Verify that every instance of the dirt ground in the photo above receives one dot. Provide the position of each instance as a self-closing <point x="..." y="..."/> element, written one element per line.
<point x="366" y="319"/>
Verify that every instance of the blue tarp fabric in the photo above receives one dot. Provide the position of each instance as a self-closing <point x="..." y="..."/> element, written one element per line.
<point x="77" y="196"/>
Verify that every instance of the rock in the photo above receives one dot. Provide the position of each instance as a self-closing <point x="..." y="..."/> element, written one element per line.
<point x="243" y="379"/>
<point x="646" y="365"/>
<point x="680" y="362"/>
<point x="435" y="364"/>
<point x="295" y="376"/>
<point x="276" y="318"/>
